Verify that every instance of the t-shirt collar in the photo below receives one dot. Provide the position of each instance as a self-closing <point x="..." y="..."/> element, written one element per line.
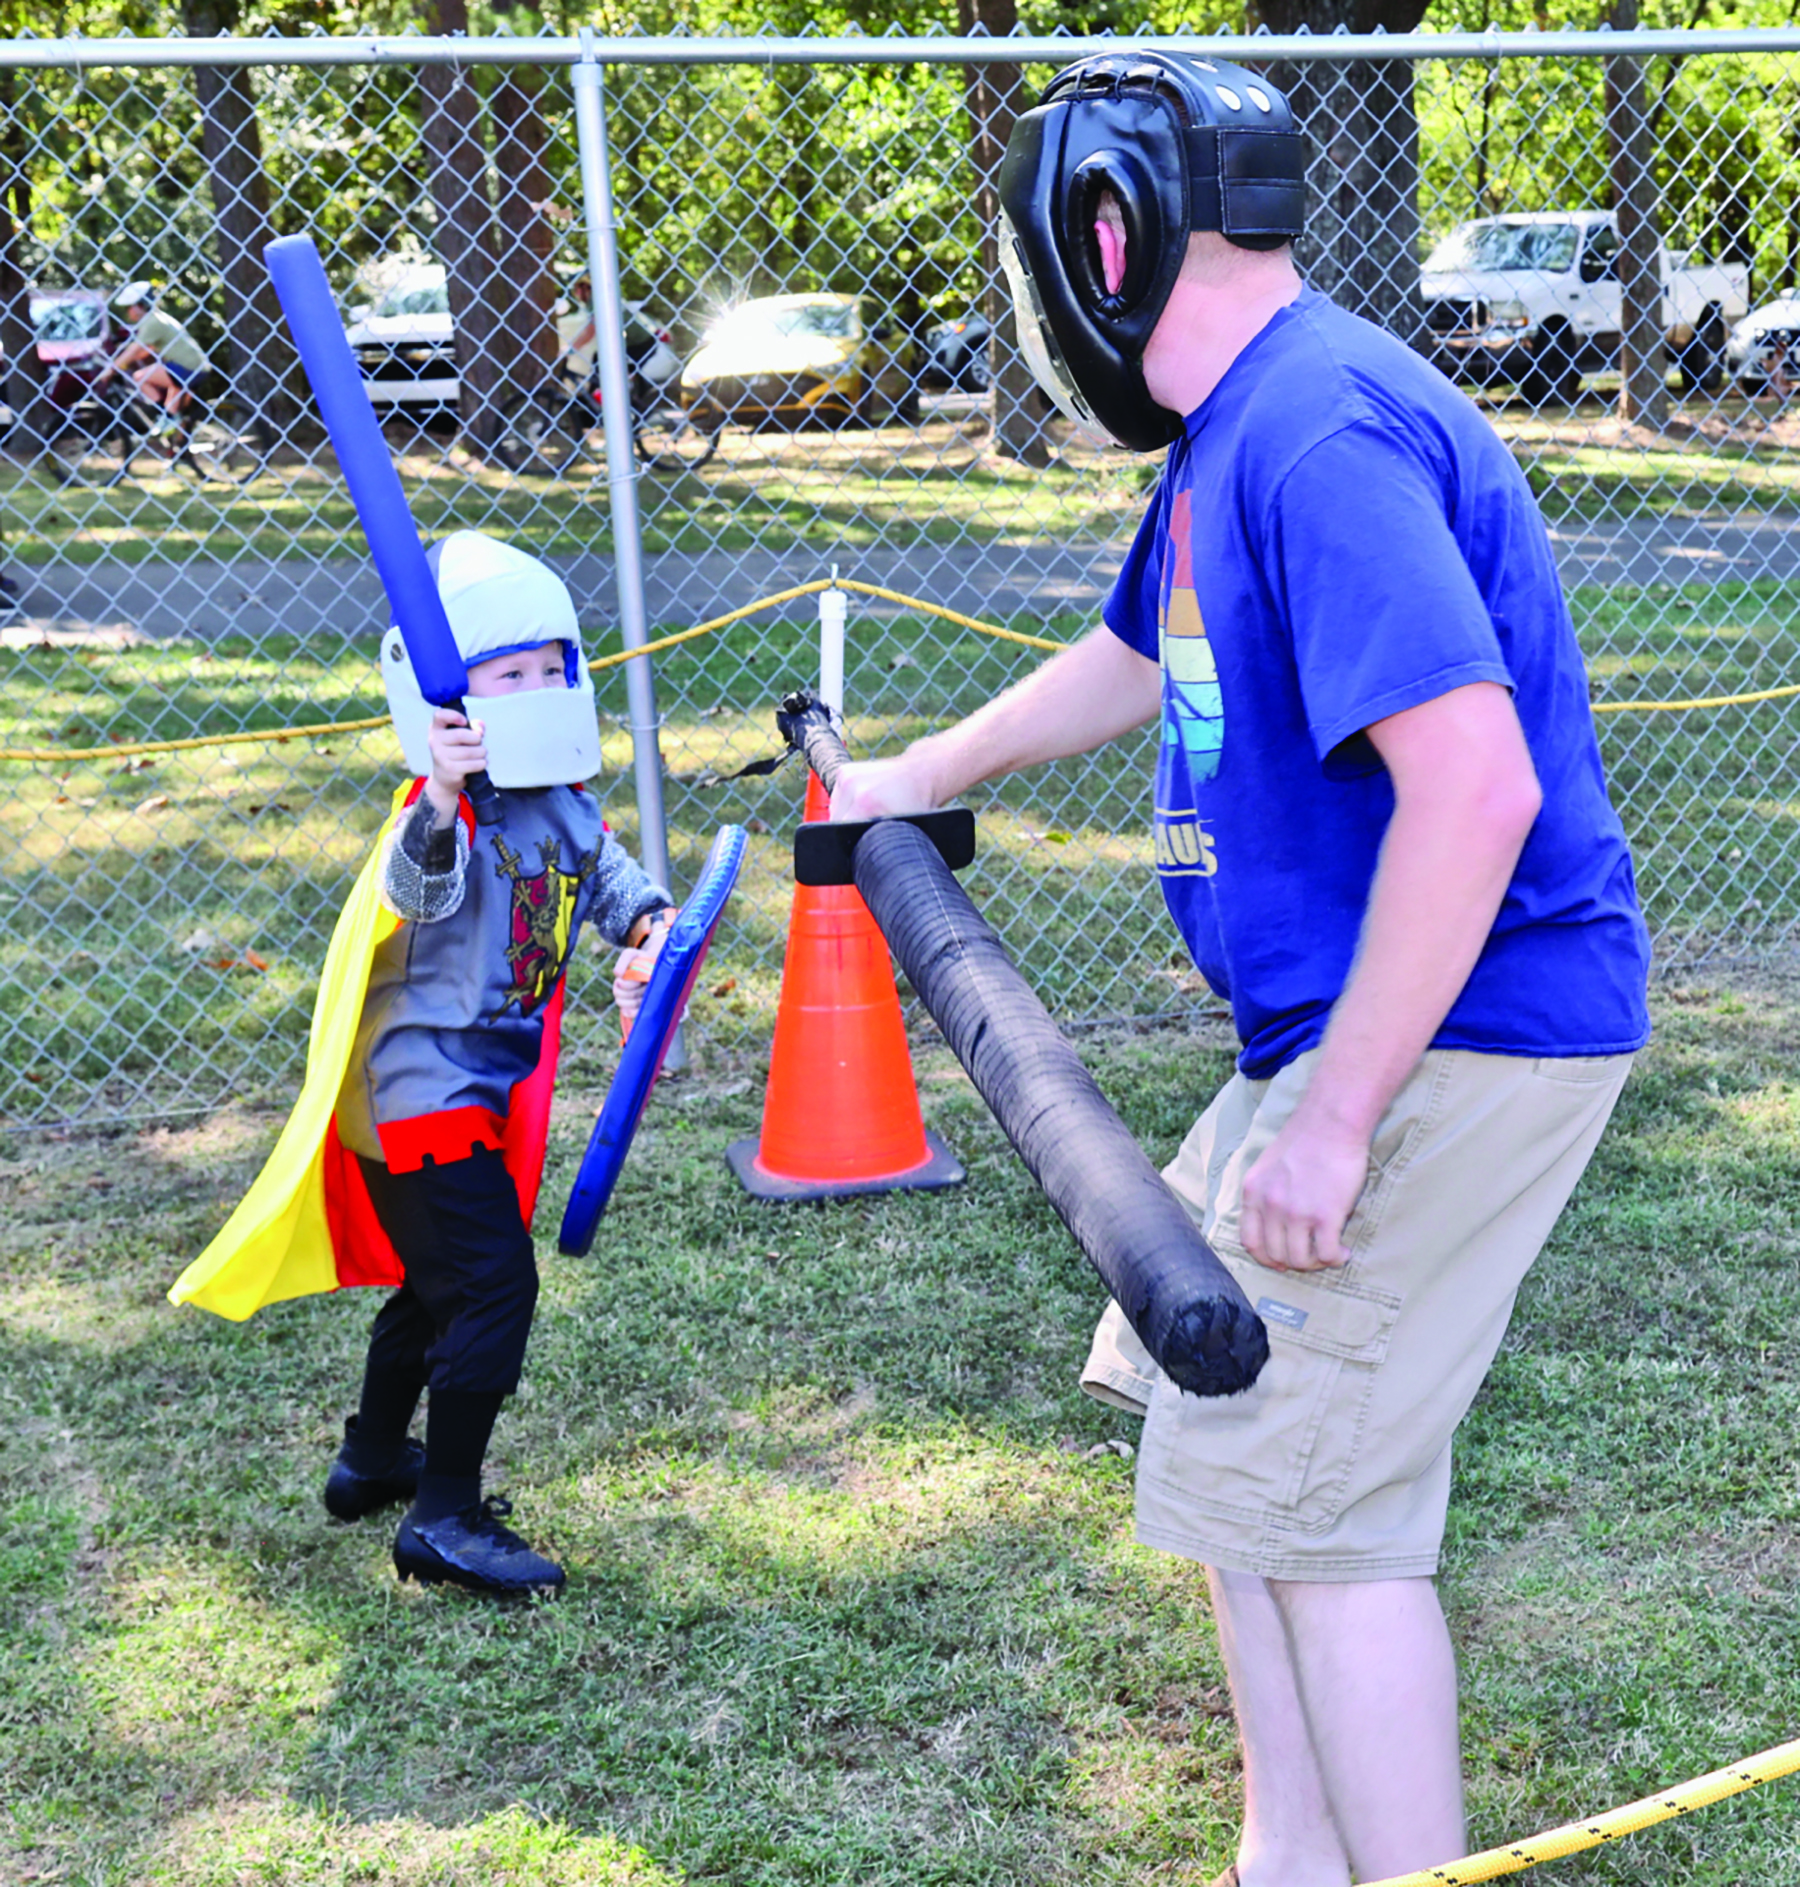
<point x="1196" y="420"/>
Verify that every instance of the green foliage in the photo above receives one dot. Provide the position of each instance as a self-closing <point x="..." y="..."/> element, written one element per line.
<point x="1530" y="134"/>
<point x="746" y="180"/>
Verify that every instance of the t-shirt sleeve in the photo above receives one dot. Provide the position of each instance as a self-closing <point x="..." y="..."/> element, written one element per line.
<point x="1382" y="607"/>
<point x="1132" y="607"/>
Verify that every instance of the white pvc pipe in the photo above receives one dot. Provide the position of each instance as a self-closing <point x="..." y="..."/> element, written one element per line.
<point x="834" y="610"/>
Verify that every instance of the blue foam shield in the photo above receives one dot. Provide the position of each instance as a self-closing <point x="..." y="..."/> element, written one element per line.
<point x="671" y="982"/>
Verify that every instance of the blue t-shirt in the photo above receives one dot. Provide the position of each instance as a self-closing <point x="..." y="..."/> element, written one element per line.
<point x="1339" y="536"/>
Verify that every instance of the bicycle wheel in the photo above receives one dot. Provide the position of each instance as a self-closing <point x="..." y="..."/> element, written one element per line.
<point x="86" y="455"/>
<point x="216" y="450"/>
<point x="672" y="439"/>
<point x="542" y="433"/>
<point x="126" y="451"/>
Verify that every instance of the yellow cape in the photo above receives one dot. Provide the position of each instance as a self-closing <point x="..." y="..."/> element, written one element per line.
<point x="278" y="1243"/>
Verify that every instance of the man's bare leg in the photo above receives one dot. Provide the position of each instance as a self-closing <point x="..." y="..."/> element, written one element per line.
<point x="1289" y="1838"/>
<point x="1377" y="1683"/>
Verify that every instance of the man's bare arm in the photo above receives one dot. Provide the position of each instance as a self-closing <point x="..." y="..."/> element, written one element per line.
<point x="1465" y="795"/>
<point x="1080" y="699"/>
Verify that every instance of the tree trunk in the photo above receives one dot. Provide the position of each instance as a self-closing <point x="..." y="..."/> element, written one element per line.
<point x="1362" y="239"/>
<point x="992" y="96"/>
<point x="464" y="237"/>
<point x="24" y="388"/>
<point x="1643" y="391"/>
<point x="527" y="241"/>
<point x="262" y="362"/>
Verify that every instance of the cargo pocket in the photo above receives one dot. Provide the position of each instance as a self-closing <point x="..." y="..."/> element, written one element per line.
<point x="1285" y="1450"/>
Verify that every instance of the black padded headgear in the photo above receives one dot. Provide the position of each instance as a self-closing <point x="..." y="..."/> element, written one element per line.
<point x="1181" y="143"/>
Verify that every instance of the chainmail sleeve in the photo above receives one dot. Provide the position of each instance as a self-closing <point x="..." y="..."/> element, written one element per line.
<point x="427" y="867"/>
<point x="620" y="892"/>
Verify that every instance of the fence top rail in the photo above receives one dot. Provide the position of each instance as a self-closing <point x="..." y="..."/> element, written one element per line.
<point x="750" y="49"/>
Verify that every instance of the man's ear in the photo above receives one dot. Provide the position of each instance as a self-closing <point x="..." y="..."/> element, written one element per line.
<point x="1109" y="239"/>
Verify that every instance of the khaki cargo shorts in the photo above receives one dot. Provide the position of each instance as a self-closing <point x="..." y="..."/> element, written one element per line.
<point x="1336" y="1465"/>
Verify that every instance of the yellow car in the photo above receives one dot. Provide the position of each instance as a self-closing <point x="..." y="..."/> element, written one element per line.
<point x="791" y="359"/>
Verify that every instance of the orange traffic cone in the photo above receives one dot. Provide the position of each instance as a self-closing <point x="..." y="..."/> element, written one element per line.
<point x="841" y="1114"/>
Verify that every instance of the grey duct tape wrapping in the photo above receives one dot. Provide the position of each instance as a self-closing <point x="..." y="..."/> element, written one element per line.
<point x="1185" y="1306"/>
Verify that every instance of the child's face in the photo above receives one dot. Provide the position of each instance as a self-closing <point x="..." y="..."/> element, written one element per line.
<point x="518" y="674"/>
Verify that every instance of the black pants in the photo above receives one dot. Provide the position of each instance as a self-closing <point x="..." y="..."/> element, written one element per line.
<point x="461" y="1319"/>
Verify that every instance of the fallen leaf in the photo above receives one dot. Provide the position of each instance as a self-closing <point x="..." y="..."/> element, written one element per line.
<point x="725" y="988"/>
<point x="756" y="825"/>
<point x="155" y="803"/>
<point x="1101" y="1449"/>
<point x="253" y="961"/>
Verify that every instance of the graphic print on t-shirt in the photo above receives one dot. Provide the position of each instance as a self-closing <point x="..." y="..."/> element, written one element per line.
<point x="543" y="912"/>
<point x="1193" y="708"/>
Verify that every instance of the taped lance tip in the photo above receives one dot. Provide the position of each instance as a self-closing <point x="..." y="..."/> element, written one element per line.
<point x="1215" y="1348"/>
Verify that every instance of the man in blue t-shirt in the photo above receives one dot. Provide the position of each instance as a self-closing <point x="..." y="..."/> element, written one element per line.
<point x="1383" y="832"/>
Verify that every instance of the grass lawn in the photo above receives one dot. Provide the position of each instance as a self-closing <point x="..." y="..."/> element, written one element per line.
<point x="937" y="483"/>
<point x="852" y="1592"/>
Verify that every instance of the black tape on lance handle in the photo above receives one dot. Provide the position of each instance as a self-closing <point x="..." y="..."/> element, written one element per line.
<point x="1187" y="1309"/>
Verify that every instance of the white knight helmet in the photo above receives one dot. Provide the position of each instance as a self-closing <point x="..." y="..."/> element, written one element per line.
<point x="501" y="601"/>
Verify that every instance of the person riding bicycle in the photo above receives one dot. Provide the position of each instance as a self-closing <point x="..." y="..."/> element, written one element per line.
<point x="576" y="337"/>
<point x="162" y="357"/>
<point x="575" y="329"/>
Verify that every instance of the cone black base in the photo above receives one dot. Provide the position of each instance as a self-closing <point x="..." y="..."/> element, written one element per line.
<point x="943" y="1169"/>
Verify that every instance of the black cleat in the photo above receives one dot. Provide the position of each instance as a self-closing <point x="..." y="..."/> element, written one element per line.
<point x="473" y="1549"/>
<point x="350" y="1494"/>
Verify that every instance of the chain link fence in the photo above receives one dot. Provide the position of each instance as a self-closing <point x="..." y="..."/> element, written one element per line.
<point x="1595" y="233"/>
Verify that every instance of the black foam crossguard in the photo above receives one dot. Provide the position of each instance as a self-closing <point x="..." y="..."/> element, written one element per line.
<point x="483" y="794"/>
<point x="1188" y="1310"/>
<point x="484" y="799"/>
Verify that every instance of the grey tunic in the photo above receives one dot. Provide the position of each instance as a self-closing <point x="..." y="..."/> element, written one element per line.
<point x="454" y="1013"/>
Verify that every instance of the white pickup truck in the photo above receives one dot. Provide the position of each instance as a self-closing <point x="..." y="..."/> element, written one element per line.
<point x="1534" y="299"/>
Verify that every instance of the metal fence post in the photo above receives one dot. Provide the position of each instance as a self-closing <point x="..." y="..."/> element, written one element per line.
<point x="621" y="469"/>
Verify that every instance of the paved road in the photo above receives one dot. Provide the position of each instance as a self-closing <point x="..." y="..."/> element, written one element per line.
<point x="114" y="601"/>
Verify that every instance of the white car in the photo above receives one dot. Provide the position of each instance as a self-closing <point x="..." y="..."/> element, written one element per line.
<point x="1752" y="346"/>
<point x="1535" y="298"/>
<point x="405" y="340"/>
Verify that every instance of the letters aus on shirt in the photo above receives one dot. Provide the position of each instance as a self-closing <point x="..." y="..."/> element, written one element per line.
<point x="1193" y="706"/>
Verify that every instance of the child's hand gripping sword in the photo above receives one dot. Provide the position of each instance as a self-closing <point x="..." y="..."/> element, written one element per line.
<point x="381" y="507"/>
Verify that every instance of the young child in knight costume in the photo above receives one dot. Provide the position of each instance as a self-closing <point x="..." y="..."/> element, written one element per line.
<point x="414" y="1155"/>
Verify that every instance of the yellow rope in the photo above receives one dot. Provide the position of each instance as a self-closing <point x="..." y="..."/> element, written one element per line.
<point x="718" y="622"/>
<point x="1705" y="701"/>
<point x="126" y="749"/>
<point x="1552" y="1845"/>
<point x="51" y="755"/>
<point x="950" y="615"/>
